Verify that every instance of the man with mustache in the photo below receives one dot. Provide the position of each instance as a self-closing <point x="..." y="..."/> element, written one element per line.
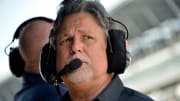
<point x="81" y="32"/>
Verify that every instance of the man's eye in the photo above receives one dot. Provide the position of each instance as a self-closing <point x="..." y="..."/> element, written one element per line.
<point x="86" y="37"/>
<point x="68" y="40"/>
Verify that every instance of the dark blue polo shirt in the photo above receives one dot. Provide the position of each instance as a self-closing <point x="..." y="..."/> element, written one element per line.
<point x="35" y="89"/>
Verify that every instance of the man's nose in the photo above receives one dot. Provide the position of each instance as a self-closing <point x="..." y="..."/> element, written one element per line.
<point x="77" y="46"/>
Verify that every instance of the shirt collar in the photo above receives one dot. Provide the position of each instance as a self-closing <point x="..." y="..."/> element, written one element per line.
<point x="32" y="79"/>
<point x="112" y="91"/>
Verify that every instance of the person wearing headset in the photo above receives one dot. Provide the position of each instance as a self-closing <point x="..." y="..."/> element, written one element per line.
<point x="24" y="60"/>
<point x="85" y="36"/>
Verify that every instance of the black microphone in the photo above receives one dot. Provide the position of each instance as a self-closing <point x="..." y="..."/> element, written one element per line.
<point x="69" y="68"/>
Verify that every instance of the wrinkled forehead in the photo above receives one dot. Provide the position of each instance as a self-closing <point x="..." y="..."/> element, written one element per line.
<point x="82" y="21"/>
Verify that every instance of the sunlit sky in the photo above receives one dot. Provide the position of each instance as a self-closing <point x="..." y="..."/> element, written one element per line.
<point x="14" y="12"/>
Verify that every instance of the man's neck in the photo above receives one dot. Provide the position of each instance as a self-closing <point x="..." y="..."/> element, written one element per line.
<point x="89" y="90"/>
<point x="34" y="69"/>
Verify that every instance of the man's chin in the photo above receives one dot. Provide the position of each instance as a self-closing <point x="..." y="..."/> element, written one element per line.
<point x="80" y="75"/>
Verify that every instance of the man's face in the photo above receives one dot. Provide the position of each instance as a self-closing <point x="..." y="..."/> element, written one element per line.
<point x="81" y="37"/>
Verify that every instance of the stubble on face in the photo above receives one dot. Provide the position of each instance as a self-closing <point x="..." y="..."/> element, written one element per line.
<point x="84" y="73"/>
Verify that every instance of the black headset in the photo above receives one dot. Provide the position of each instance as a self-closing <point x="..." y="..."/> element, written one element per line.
<point x="16" y="63"/>
<point x="118" y="55"/>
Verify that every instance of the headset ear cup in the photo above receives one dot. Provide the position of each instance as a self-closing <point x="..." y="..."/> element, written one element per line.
<point x="116" y="55"/>
<point x="16" y="62"/>
<point x="48" y="64"/>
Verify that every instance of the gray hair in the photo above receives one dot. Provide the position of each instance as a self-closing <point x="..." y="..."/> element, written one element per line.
<point x="68" y="7"/>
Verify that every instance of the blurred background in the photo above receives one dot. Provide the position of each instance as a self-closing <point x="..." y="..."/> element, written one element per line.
<point x="154" y="42"/>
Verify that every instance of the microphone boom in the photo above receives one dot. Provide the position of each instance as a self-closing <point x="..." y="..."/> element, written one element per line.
<point x="69" y="68"/>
